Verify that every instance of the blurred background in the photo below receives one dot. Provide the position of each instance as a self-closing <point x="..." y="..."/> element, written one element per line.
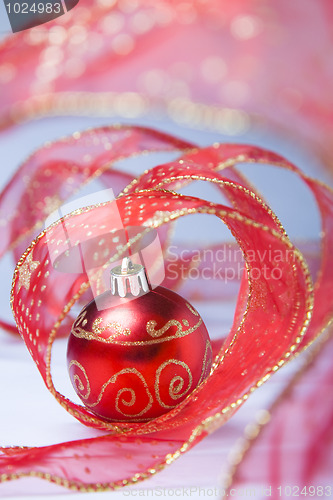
<point x="247" y="71"/>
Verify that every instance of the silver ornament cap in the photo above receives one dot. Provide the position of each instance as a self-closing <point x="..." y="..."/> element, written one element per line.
<point x="128" y="278"/>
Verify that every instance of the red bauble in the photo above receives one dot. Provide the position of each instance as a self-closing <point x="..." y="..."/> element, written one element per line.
<point x="138" y="359"/>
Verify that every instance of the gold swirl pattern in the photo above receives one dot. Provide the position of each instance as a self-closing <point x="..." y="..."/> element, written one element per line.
<point x="156" y="335"/>
<point x="205" y="361"/>
<point x="150" y="327"/>
<point x="81" y="320"/>
<point x="176" y="387"/>
<point x="77" y="382"/>
<point x="97" y="328"/>
<point x="176" y="384"/>
<point x="191" y="308"/>
<point x="79" y="332"/>
<point x="132" y="401"/>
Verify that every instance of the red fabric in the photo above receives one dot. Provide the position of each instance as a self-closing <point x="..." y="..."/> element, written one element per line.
<point x="264" y="63"/>
<point x="294" y="450"/>
<point x="274" y="318"/>
<point x="267" y="60"/>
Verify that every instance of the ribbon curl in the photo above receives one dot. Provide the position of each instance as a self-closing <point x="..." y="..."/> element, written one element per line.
<point x="274" y="318"/>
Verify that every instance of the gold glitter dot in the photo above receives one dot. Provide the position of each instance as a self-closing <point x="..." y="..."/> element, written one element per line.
<point x="112" y="23"/>
<point x="245" y="27"/>
<point x="7" y="73"/>
<point x="122" y="44"/>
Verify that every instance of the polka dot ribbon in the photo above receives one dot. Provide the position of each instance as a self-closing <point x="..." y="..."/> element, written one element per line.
<point x="281" y="308"/>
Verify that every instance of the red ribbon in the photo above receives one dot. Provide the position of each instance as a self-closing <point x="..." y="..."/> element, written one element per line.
<point x="274" y="318"/>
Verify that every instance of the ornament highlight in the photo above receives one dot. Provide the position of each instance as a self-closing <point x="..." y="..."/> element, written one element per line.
<point x="134" y="352"/>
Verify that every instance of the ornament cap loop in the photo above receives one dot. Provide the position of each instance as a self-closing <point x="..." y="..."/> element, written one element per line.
<point x="128" y="278"/>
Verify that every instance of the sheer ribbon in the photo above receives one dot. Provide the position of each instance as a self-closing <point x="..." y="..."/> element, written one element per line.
<point x="274" y="320"/>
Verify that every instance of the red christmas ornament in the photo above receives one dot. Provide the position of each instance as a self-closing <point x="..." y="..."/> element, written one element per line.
<point x="135" y="353"/>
